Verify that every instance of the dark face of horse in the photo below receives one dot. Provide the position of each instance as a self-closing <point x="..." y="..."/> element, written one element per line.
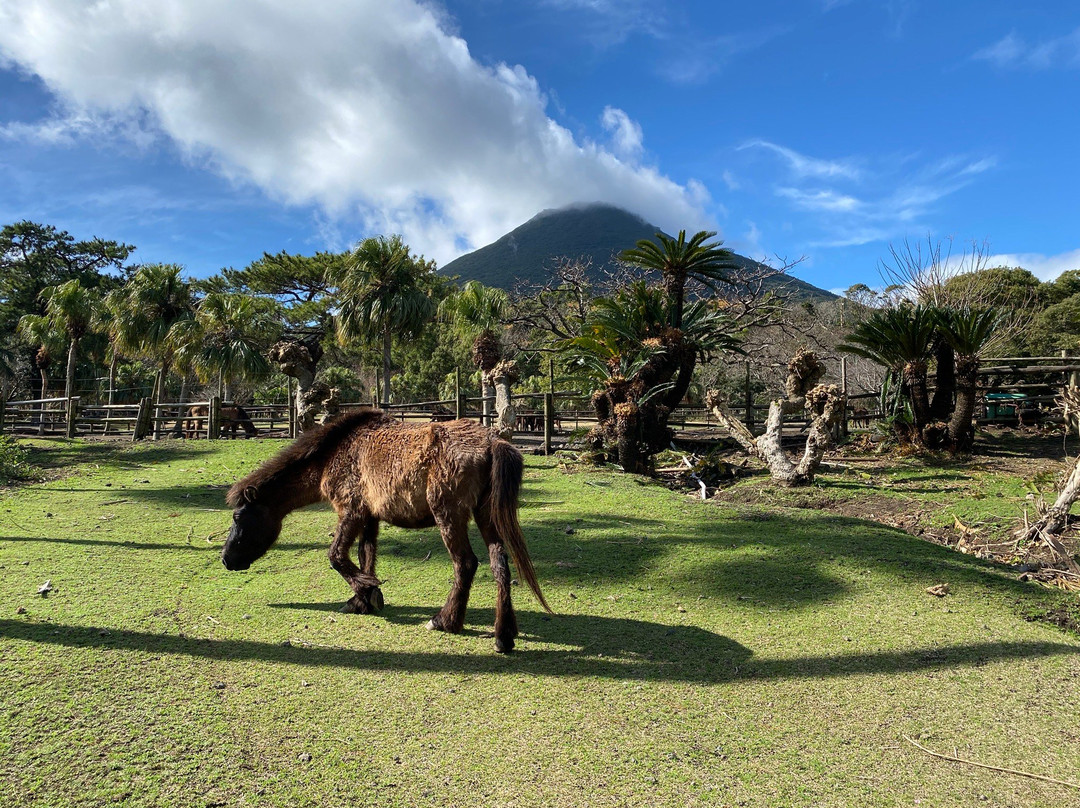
<point x="253" y="530"/>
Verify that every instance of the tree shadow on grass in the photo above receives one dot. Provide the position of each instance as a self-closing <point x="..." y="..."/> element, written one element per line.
<point x="63" y="453"/>
<point x="601" y="647"/>
<point x="195" y="543"/>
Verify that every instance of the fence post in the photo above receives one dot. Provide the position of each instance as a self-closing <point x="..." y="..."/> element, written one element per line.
<point x="3" y="407"/>
<point x="292" y="408"/>
<point x="749" y="400"/>
<point x="459" y="400"/>
<point x="142" y="420"/>
<point x="72" y="410"/>
<point x="213" y="419"/>
<point x="549" y="421"/>
<point x="843" y="388"/>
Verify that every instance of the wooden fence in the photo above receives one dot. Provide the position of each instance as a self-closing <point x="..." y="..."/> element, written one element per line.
<point x="1008" y="386"/>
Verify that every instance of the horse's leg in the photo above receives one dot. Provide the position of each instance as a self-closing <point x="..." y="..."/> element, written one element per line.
<point x="367" y="598"/>
<point x="454" y="527"/>
<point x="505" y="621"/>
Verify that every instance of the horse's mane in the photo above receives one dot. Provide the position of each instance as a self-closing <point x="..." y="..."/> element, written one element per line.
<point x="309" y="446"/>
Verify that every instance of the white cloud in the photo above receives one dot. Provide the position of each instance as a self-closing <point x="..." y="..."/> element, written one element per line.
<point x="857" y="202"/>
<point x="820" y="200"/>
<point x="804" y="166"/>
<point x="1045" y="267"/>
<point x="1013" y="51"/>
<point x="362" y="107"/>
<point x="626" y="135"/>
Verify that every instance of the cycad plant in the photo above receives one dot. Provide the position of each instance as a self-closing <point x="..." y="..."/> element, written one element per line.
<point x="899" y="339"/>
<point x="644" y="365"/>
<point x="968" y="332"/>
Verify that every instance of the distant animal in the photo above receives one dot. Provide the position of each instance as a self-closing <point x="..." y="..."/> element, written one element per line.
<point x="860" y="417"/>
<point x="231" y="418"/>
<point x="373" y="469"/>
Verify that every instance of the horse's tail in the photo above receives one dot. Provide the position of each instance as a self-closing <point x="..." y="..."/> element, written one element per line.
<point x="507" y="468"/>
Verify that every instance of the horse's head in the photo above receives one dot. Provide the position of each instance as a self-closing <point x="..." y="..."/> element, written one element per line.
<point x="253" y="530"/>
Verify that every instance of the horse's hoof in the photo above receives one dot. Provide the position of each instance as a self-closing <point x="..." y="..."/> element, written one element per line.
<point x="504" y="645"/>
<point x="375" y="599"/>
<point x="432" y="625"/>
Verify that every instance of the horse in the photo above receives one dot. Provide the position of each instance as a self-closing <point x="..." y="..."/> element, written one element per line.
<point x="231" y="418"/>
<point x="373" y="469"/>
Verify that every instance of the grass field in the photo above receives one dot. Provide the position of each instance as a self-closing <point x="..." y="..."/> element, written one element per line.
<point x="701" y="654"/>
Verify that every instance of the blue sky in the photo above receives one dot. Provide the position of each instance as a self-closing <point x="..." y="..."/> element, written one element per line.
<point x="207" y="132"/>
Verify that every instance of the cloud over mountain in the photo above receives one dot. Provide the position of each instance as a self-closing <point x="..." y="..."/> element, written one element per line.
<point x="367" y="108"/>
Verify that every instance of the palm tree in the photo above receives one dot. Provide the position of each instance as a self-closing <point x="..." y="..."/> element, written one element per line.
<point x="227" y="339"/>
<point x="69" y="310"/>
<point x="158" y="298"/>
<point x="967" y="332"/>
<point x="118" y="321"/>
<point x="476" y="311"/>
<point x="383" y="291"/>
<point x="42" y="331"/>
<point x="899" y="339"/>
<point x="678" y="260"/>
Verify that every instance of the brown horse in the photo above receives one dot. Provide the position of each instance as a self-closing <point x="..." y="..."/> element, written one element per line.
<point x="231" y="418"/>
<point x="372" y="468"/>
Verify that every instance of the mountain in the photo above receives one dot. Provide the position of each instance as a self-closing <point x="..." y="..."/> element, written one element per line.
<point x="595" y="232"/>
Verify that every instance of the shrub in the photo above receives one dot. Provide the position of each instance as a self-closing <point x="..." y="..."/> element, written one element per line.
<point x="15" y="462"/>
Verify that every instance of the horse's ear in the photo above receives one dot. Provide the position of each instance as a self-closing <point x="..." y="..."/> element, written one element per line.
<point x="250" y="493"/>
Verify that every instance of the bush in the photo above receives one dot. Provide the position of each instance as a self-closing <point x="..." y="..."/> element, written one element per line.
<point x="15" y="462"/>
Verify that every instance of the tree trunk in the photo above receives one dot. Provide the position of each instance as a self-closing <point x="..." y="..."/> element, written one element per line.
<point x="915" y="382"/>
<point x="628" y="438"/>
<point x="178" y="427"/>
<point x="300" y="361"/>
<point x="502" y="377"/>
<point x="942" y="404"/>
<point x="69" y="379"/>
<point x="824" y="405"/>
<point x="112" y="380"/>
<point x="1049" y="526"/>
<point x="387" y="338"/>
<point x="961" y="429"/>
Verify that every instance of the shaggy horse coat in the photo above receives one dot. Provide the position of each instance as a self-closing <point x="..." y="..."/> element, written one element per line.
<point x="371" y="469"/>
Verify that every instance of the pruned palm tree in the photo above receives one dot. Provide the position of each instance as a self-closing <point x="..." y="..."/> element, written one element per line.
<point x="476" y="311"/>
<point x="383" y="292"/>
<point x="678" y="260"/>
<point x="968" y="332"/>
<point x="899" y="339"/>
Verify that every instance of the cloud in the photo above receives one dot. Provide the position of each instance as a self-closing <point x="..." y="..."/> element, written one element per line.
<point x="697" y="59"/>
<point x="368" y="109"/>
<point x="804" y="166"/>
<point x="1045" y="267"/>
<point x="850" y="206"/>
<point x="626" y="136"/>
<point x="612" y="22"/>
<point x="1013" y="52"/>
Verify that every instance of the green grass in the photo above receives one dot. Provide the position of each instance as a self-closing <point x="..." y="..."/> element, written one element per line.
<point x="701" y="655"/>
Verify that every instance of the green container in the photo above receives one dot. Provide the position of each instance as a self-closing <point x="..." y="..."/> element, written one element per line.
<point x="1003" y="406"/>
